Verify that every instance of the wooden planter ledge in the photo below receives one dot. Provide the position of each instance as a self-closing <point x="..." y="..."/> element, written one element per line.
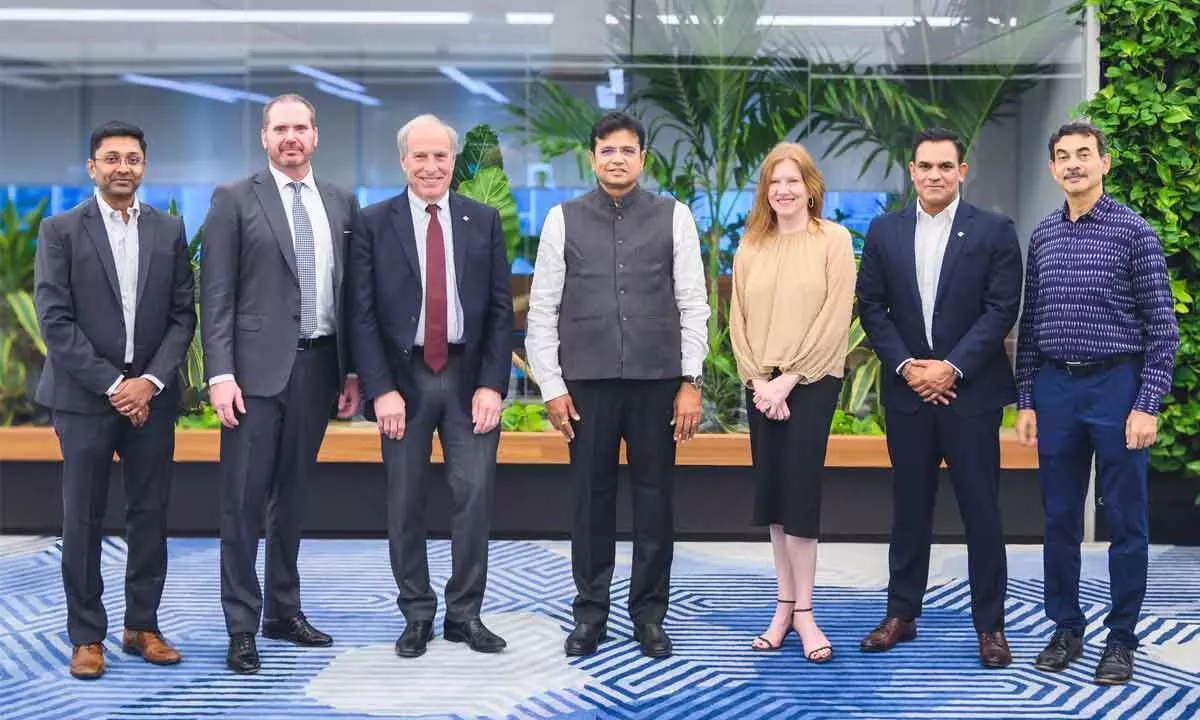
<point x="359" y="442"/>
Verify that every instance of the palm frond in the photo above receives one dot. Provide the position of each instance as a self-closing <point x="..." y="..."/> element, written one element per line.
<point x="557" y="123"/>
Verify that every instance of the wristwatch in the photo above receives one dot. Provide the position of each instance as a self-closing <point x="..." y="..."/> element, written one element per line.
<point x="696" y="381"/>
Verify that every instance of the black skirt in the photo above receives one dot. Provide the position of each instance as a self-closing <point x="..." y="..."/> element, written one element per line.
<point x="789" y="458"/>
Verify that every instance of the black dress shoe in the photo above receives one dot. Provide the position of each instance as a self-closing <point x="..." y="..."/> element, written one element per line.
<point x="475" y="635"/>
<point x="585" y="639"/>
<point x="243" y="655"/>
<point x="653" y="639"/>
<point x="1116" y="665"/>
<point x="1064" y="648"/>
<point x="296" y="630"/>
<point x="415" y="637"/>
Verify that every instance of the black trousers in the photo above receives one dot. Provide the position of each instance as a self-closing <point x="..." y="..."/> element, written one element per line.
<point x="88" y="442"/>
<point x="640" y="412"/>
<point x="918" y="443"/>
<point x="265" y="464"/>
<point x="445" y="406"/>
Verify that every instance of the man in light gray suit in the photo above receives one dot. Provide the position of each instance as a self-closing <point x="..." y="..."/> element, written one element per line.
<point x="271" y="310"/>
<point x="114" y="294"/>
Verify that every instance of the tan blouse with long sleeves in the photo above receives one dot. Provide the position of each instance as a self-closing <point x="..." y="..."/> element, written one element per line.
<point x="792" y="299"/>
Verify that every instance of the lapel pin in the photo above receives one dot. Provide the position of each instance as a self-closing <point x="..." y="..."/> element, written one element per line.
<point x="466" y="219"/>
<point x="960" y="233"/>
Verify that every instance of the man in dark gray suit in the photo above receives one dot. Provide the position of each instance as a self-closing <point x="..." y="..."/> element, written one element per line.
<point x="432" y="334"/>
<point x="271" y="308"/>
<point x="114" y="294"/>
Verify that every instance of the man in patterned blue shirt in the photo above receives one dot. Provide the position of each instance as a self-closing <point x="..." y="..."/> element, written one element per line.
<point x="1095" y="355"/>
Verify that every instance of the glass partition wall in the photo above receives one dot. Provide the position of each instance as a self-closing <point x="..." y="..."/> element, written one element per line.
<point x="717" y="82"/>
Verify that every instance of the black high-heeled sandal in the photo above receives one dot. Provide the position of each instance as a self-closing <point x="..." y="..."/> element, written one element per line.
<point x="771" y="647"/>
<point x="814" y="657"/>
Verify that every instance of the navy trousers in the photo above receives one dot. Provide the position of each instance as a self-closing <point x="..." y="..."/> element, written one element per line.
<point x="917" y="444"/>
<point x="1078" y="416"/>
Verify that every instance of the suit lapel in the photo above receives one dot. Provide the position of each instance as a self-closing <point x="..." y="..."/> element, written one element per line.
<point x="460" y="225"/>
<point x="333" y="212"/>
<point x="93" y="225"/>
<point x="907" y="244"/>
<point x="402" y="222"/>
<point x="959" y="236"/>
<point x="272" y="204"/>
<point x="148" y="227"/>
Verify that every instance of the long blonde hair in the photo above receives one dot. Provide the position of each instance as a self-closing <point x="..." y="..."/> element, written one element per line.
<point x="761" y="222"/>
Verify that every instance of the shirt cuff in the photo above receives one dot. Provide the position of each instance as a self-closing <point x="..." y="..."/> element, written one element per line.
<point x="157" y="383"/>
<point x="552" y="389"/>
<point x="900" y="367"/>
<point x="351" y="376"/>
<point x="1024" y="400"/>
<point x="956" y="370"/>
<point x="113" y="388"/>
<point x="1146" y="403"/>
<point x="219" y="379"/>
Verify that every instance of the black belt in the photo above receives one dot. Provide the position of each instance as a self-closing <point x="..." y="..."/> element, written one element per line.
<point x="311" y="343"/>
<point x="1083" y="368"/>
<point x="452" y="349"/>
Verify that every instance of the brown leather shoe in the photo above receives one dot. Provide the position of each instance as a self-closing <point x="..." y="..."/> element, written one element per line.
<point x="87" y="661"/>
<point x="150" y="646"/>
<point x="889" y="632"/>
<point x="993" y="650"/>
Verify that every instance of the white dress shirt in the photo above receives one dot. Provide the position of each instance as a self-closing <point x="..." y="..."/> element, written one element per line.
<point x="545" y="299"/>
<point x="322" y="246"/>
<point x="124" y="241"/>
<point x="454" y="312"/>
<point x="930" y="241"/>
<point x="322" y="239"/>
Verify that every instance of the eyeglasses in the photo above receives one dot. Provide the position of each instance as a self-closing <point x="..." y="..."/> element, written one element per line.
<point x="114" y="160"/>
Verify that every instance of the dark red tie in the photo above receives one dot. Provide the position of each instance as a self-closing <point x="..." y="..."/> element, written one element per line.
<point x="436" y="347"/>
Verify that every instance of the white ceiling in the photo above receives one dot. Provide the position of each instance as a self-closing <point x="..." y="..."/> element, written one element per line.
<point x="581" y="37"/>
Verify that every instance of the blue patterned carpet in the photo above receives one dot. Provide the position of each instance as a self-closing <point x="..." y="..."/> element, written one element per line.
<point x="723" y="595"/>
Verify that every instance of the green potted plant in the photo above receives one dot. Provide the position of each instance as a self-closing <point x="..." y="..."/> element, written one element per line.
<point x="21" y="346"/>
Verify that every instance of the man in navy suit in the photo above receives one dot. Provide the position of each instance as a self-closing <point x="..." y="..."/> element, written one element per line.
<point x="431" y="331"/>
<point x="938" y="292"/>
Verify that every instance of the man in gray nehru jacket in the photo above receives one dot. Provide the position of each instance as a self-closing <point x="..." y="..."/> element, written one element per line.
<point x="616" y="340"/>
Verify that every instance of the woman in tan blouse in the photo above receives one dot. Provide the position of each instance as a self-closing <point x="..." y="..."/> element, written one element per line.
<point x="793" y="289"/>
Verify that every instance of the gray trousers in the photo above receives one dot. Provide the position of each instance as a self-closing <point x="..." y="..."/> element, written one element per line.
<point x="265" y="464"/>
<point x="445" y="406"/>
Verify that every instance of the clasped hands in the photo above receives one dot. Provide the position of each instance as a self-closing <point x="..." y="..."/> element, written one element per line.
<point x="933" y="380"/>
<point x="770" y="396"/>
<point x="132" y="399"/>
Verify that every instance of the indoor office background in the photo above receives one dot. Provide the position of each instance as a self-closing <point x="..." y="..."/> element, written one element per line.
<point x="195" y="80"/>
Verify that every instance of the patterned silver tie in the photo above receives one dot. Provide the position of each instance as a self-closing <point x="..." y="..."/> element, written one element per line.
<point x="306" y="263"/>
